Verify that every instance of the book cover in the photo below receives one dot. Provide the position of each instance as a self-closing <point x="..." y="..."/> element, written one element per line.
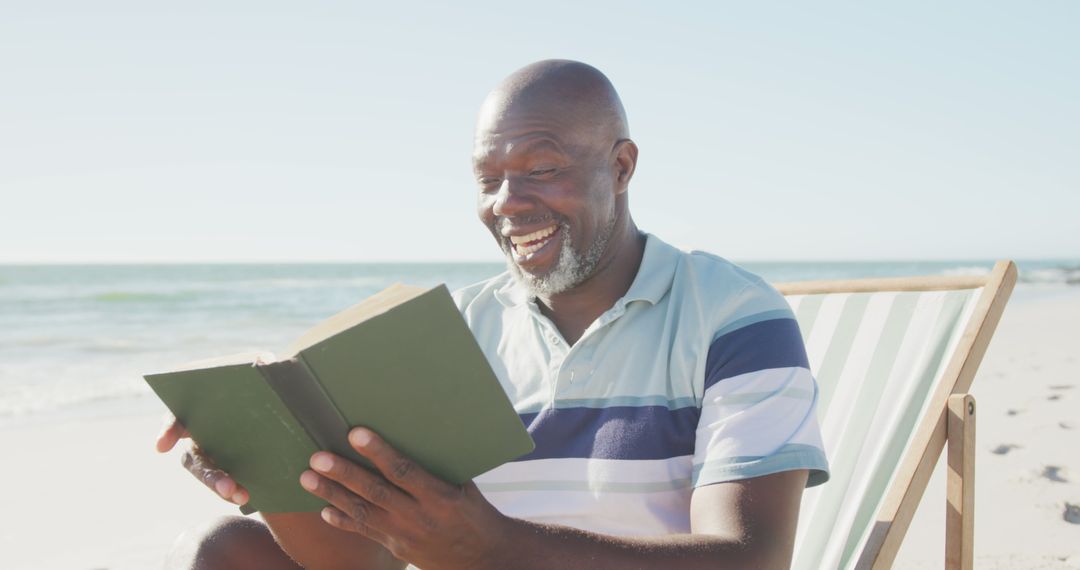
<point x="402" y="363"/>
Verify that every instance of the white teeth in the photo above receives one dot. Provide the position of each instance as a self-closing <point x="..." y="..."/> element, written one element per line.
<point x="528" y="250"/>
<point x="536" y="240"/>
<point x="539" y="234"/>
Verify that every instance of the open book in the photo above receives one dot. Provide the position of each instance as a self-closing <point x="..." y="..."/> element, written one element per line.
<point x="403" y="363"/>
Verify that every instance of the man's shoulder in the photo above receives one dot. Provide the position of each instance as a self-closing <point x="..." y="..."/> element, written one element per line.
<point x="480" y="293"/>
<point x="722" y="277"/>
<point x="728" y="294"/>
<point x="711" y="268"/>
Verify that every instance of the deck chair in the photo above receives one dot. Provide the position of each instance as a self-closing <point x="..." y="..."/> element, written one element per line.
<point x="894" y="359"/>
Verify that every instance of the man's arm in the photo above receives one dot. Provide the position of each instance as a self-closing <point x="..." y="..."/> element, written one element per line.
<point x="745" y="523"/>
<point x="739" y="524"/>
<point x="314" y="544"/>
<point x="303" y="536"/>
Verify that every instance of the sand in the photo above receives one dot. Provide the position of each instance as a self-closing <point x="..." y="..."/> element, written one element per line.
<point x="86" y="490"/>
<point x="1027" y="463"/>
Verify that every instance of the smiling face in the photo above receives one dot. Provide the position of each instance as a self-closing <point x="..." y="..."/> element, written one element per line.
<point x="548" y="184"/>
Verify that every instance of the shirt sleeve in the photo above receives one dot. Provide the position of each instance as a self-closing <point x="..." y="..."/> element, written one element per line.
<point x="758" y="414"/>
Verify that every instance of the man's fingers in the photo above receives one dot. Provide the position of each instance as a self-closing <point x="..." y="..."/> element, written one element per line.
<point x="336" y="518"/>
<point x="219" y="481"/>
<point x="171" y="432"/>
<point x="360" y="512"/>
<point x="198" y="464"/>
<point x="371" y="486"/>
<point x="397" y="468"/>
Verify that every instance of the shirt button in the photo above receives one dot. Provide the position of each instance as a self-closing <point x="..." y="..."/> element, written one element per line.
<point x="554" y="339"/>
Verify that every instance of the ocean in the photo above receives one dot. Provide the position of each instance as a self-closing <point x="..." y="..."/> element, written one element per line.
<point x="77" y="338"/>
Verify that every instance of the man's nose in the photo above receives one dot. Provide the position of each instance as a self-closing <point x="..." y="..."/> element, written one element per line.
<point x="512" y="199"/>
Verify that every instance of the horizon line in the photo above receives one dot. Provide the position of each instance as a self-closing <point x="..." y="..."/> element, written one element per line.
<point x="8" y="263"/>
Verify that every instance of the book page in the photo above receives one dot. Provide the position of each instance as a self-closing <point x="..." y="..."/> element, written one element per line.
<point x="227" y="360"/>
<point x="374" y="305"/>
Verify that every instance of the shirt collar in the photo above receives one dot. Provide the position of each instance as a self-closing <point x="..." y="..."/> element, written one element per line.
<point x="657" y="271"/>
<point x="652" y="282"/>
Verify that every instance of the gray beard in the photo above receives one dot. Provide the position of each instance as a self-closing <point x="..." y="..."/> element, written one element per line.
<point x="571" y="269"/>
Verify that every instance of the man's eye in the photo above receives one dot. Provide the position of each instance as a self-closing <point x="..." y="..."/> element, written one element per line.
<point x="541" y="171"/>
<point x="490" y="181"/>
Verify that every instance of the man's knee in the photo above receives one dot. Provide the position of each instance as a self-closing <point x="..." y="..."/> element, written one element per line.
<point x="233" y="542"/>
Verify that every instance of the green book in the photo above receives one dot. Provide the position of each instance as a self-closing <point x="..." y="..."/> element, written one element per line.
<point x="403" y="363"/>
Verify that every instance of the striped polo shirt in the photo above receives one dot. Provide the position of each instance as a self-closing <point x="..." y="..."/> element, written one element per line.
<point x="698" y="375"/>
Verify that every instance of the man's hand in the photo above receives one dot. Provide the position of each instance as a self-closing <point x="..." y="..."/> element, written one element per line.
<point x="747" y="523"/>
<point x="415" y="515"/>
<point x="198" y="464"/>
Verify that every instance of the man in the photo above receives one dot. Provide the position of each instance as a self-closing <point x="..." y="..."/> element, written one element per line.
<point x="668" y="393"/>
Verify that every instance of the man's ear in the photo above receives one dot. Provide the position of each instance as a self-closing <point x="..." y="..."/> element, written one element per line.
<point x="625" y="162"/>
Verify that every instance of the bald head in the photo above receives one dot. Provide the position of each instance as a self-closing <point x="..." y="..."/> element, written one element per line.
<point x="553" y="159"/>
<point x="577" y="93"/>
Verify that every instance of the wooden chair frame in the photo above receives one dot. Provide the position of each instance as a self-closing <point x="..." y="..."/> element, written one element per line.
<point x="950" y="418"/>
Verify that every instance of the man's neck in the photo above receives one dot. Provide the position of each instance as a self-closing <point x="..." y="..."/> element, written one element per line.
<point x="573" y="311"/>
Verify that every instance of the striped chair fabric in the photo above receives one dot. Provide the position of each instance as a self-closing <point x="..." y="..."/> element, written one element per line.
<point x="877" y="357"/>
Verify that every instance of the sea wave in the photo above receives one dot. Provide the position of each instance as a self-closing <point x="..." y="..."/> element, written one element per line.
<point x="1063" y="274"/>
<point x="42" y="341"/>
<point x="69" y="379"/>
<point x="1068" y="274"/>
<point x="15" y="406"/>
<point x="143" y="297"/>
<point x="313" y="283"/>
<point x="967" y="270"/>
<point x="114" y="345"/>
<point x="193" y="290"/>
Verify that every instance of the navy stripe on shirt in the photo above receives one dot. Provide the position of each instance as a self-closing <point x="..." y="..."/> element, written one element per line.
<point x="617" y="432"/>
<point x="775" y="343"/>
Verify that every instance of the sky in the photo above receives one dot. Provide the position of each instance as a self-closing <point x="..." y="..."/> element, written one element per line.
<point x="341" y="131"/>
